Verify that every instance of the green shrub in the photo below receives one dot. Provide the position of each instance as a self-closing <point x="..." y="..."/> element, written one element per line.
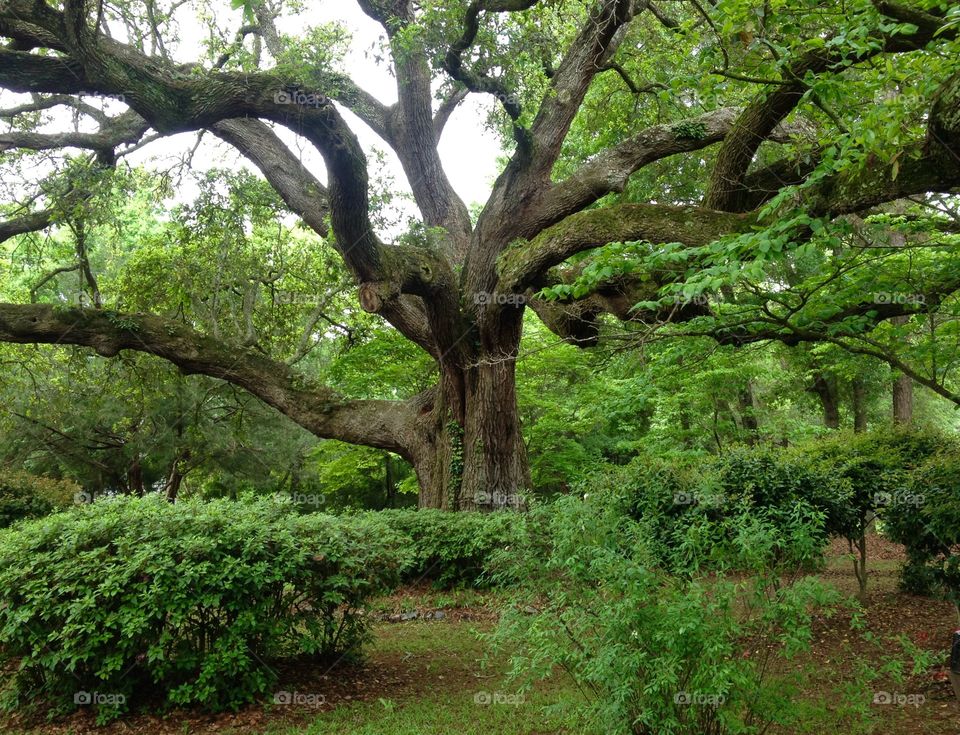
<point x="453" y="549"/>
<point x="651" y="651"/>
<point x="23" y="495"/>
<point x="776" y="480"/>
<point x="868" y="475"/>
<point x="693" y="514"/>
<point x="926" y="519"/>
<point x="138" y="599"/>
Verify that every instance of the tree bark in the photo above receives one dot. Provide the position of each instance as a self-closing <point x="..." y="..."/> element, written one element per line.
<point x="859" y="399"/>
<point x="748" y="413"/>
<point x="825" y="388"/>
<point x="902" y="400"/>
<point x="902" y="390"/>
<point x="470" y="453"/>
<point x="462" y="436"/>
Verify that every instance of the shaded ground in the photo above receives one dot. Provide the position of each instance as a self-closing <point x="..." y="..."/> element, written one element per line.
<point x="426" y="674"/>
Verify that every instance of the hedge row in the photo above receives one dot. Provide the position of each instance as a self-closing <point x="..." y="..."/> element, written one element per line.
<point x="187" y="603"/>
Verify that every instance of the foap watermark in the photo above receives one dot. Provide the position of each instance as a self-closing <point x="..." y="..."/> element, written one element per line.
<point x="315" y="499"/>
<point x="701" y="699"/>
<point x="303" y="699"/>
<point x="299" y="97"/>
<point x="899" y="498"/>
<point x="122" y="98"/>
<point x="507" y="98"/>
<point x="898" y="297"/>
<point x="697" y="300"/>
<point x="706" y="499"/>
<point x="485" y="298"/>
<point x="485" y="698"/>
<point x="898" y="699"/>
<point x="498" y="499"/>
<point x="84" y="698"/>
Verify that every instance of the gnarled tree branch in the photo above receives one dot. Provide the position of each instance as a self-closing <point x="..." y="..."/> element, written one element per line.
<point x="381" y="424"/>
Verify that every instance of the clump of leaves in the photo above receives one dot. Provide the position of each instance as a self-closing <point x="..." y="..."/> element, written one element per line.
<point x="453" y="549"/>
<point x="656" y="652"/>
<point x="23" y="495"/>
<point x="127" y="602"/>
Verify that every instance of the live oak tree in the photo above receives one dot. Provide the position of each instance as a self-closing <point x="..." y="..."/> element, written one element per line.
<point x="693" y="131"/>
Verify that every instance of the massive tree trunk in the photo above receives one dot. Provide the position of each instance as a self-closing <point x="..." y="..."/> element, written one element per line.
<point x="470" y="452"/>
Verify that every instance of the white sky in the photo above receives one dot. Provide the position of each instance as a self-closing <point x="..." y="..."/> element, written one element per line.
<point x="468" y="150"/>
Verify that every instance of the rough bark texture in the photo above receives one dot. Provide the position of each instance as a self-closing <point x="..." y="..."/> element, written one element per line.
<point x="902" y="400"/>
<point x="825" y="388"/>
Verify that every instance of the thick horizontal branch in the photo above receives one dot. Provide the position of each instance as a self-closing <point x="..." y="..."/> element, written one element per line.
<point x="301" y="190"/>
<point x="521" y="265"/>
<point x="127" y="128"/>
<point x="610" y="170"/>
<point x="317" y="408"/>
<point x="33" y="222"/>
<point x="173" y="100"/>
<point x="727" y="191"/>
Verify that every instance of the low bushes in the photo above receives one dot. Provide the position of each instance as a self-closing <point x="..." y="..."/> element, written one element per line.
<point x="655" y="652"/>
<point x="925" y="518"/>
<point x="452" y="549"/>
<point x="693" y="515"/>
<point x="906" y="477"/>
<point x="23" y="496"/>
<point x="133" y="599"/>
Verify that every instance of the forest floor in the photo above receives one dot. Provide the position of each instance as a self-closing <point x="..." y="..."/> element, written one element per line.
<point x="430" y="674"/>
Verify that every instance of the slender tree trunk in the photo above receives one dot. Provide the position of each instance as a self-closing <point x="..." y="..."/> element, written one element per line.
<point x="175" y="477"/>
<point x="860" y="565"/>
<point x="748" y="413"/>
<point x="859" y="400"/>
<point x="902" y="390"/>
<point x="135" y="477"/>
<point x="826" y="389"/>
<point x="902" y="400"/>
<point x="389" y="481"/>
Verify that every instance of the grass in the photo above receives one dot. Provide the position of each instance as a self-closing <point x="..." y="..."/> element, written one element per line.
<point x="424" y="677"/>
<point x="451" y="677"/>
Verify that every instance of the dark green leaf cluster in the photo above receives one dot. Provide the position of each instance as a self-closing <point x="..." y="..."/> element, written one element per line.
<point x="149" y="603"/>
<point x="453" y="549"/>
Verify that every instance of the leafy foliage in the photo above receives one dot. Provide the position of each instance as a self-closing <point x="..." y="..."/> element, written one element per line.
<point x="453" y="548"/>
<point x="927" y="522"/>
<point x="654" y="652"/>
<point x="23" y="495"/>
<point x="187" y="601"/>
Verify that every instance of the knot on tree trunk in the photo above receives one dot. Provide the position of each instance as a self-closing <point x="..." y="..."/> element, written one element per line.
<point x="374" y="294"/>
